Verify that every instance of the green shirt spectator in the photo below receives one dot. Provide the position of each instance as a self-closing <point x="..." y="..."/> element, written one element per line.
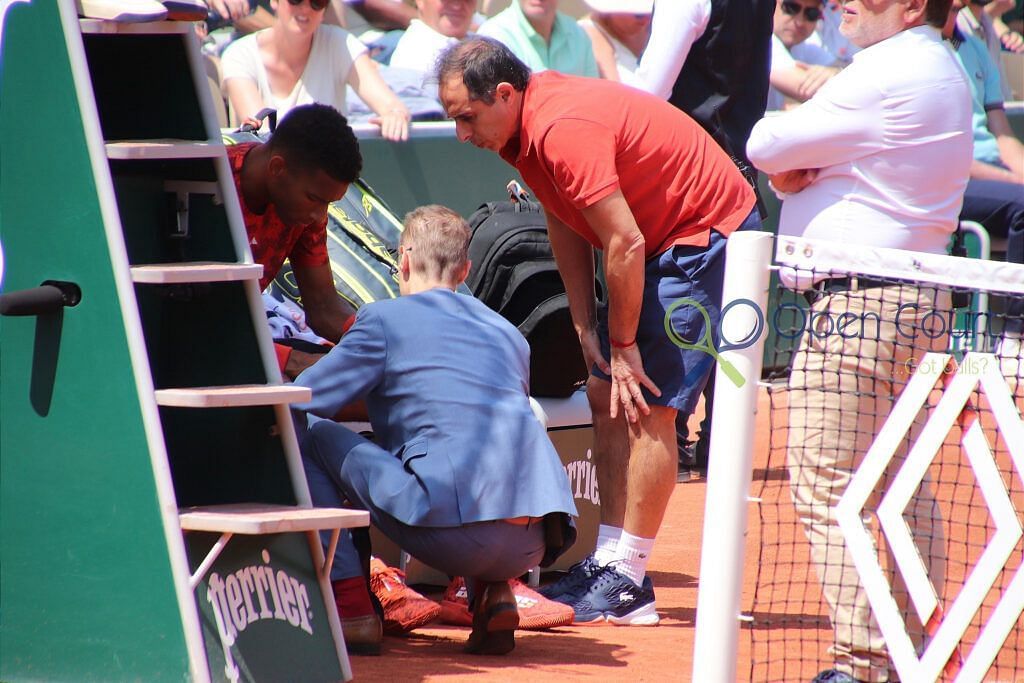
<point x="543" y="38"/>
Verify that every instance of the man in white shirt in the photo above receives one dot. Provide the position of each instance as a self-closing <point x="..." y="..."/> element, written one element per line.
<point x="880" y="156"/>
<point x="440" y="24"/>
<point x="799" y="68"/>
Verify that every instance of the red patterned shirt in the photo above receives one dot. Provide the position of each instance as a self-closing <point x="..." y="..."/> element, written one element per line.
<point x="270" y="239"/>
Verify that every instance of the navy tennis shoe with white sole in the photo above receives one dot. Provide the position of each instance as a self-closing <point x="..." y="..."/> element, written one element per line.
<point x="573" y="585"/>
<point x="613" y="598"/>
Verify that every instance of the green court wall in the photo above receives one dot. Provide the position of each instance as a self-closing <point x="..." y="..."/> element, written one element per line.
<point x="86" y="591"/>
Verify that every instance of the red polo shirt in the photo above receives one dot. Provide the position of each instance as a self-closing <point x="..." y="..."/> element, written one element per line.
<point x="270" y="239"/>
<point x="583" y="138"/>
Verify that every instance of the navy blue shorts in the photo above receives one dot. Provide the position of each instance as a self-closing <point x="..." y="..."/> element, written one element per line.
<point x="682" y="272"/>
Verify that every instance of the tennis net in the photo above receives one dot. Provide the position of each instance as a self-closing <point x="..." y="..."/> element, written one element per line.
<point x="887" y="540"/>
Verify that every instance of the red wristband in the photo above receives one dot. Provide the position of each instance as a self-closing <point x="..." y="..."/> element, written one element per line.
<point x="620" y="345"/>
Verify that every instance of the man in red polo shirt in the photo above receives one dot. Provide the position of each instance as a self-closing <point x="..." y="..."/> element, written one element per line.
<point x="629" y="174"/>
<point x="284" y="187"/>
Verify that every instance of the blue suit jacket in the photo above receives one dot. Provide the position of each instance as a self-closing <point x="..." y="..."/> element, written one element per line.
<point x="446" y="382"/>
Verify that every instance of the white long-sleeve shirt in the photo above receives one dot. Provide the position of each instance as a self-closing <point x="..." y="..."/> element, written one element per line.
<point x="891" y="135"/>
<point x="675" y="27"/>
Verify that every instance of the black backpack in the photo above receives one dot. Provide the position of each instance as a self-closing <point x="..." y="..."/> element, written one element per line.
<point x="513" y="272"/>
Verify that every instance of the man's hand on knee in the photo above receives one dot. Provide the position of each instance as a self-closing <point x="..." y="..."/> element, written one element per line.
<point x="627" y="378"/>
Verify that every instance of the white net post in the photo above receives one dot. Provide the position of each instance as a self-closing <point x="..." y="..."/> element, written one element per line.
<point x="729" y="469"/>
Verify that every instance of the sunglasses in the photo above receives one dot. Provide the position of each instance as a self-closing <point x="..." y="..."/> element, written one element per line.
<point x="789" y="8"/>
<point x="317" y="5"/>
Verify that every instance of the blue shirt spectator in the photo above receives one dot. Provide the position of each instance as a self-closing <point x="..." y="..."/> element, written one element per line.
<point x="986" y="94"/>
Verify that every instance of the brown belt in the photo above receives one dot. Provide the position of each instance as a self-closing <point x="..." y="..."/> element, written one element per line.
<point x="522" y="521"/>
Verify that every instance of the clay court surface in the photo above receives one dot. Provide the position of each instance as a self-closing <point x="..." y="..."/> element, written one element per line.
<point x="789" y="638"/>
<point x="597" y="653"/>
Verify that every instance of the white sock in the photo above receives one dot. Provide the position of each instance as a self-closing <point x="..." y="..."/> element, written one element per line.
<point x="607" y="544"/>
<point x="632" y="555"/>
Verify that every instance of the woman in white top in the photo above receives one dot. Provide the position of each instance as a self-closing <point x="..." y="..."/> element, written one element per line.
<point x="618" y="31"/>
<point x="299" y="60"/>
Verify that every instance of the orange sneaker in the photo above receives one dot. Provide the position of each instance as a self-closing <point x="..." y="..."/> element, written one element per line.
<point x="535" y="611"/>
<point x="404" y="608"/>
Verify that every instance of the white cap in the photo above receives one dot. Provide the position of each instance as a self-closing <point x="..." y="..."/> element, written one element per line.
<point x="621" y="6"/>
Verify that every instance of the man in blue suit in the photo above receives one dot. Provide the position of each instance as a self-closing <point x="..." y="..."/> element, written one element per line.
<point x="462" y="475"/>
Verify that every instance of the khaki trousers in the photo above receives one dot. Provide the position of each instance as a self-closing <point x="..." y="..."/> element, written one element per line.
<point x="844" y="381"/>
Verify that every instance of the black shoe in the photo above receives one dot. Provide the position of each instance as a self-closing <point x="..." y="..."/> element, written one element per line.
<point x="687" y="460"/>
<point x="700" y="453"/>
<point x="693" y="461"/>
<point x="495" y="620"/>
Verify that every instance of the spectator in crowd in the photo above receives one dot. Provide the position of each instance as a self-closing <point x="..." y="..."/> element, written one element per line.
<point x="360" y="16"/>
<point x="300" y="60"/>
<point x="462" y="475"/>
<point x="996" y="11"/>
<point x="377" y="23"/>
<point x="284" y="187"/>
<point x="799" y="68"/>
<point x="829" y="36"/>
<point x="618" y="31"/>
<point x="440" y="24"/>
<point x="222" y="12"/>
<point x="974" y="20"/>
<point x="542" y="37"/>
<point x="880" y="157"/>
<point x="1006" y="19"/>
<point x="995" y="192"/>
<point x="711" y="59"/>
<point x="357" y="16"/>
<point x="660" y="241"/>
